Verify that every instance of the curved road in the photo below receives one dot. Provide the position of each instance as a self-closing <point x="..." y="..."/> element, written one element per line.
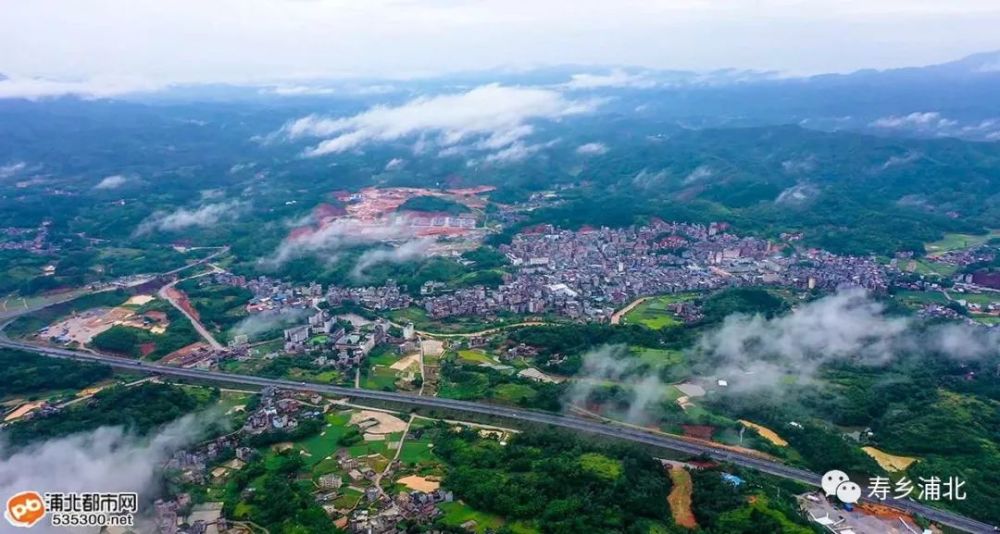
<point x="570" y="422"/>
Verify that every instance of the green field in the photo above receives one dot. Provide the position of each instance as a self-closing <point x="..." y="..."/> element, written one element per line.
<point x="653" y="312"/>
<point x="380" y="377"/>
<point x="514" y="393"/>
<point x="325" y="443"/>
<point x="985" y="319"/>
<point x="474" y="356"/>
<point x="451" y="325"/>
<point x="417" y="451"/>
<point x="458" y="513"/>
<point x="958" y="241"/>
<point x="383" y="355"/>
<point x="927" y="267"/>
<point x="348" y="499"/>
<point x="917" y="298"/>
<point x="983" y="299"/>
<point x="367" y="448"/>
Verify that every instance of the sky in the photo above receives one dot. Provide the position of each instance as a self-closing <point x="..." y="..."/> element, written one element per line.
<point x="136" y="42"/>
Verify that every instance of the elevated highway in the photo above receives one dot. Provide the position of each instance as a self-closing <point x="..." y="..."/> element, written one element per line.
<point x="518" y="414"/>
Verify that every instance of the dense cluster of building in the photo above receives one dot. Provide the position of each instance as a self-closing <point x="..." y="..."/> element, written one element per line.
<point x="588" y="274"/>
<point x="418" y="506"/>
<point x="279" y="410"/>
<point x="35" y="240"/>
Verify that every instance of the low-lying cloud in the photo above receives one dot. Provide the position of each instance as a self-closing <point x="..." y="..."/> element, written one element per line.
<point x="408" y="251"/>
<point x="799" y="166"/>
<point x="184" y="218"/>
<point x="491" y="117"/>
<point x="615" y="79"/>
<point x="592" y="149"/>
<point x="108" y="459"/>
<point x="934" y="124"/>
<point x="268" y="321"/>
<point x="614" y="364"/>
<point x="112" y="182"/>
<point x="701" y="172"/>
<point x="394" y="164"/>
<point x="754" y="352"/>
<point x="37" y="89"/>
<point x="647" y="179"/>
<point x="797" y="194"/>
<point x="898" y="161"/>
<point x="11" y="169"/>
<point x="329" y="241"/>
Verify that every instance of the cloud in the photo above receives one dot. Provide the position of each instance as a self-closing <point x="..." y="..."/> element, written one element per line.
<point x="184" y="218"/>
<point x="104" y="460"/>
<point x="494" y="117"/>
<point x="592" y="149"/>
<point x="330" y="240"/>
<point x="753" y="352"/>
<point x="112" y="182"/>
<point x="933" y="124"/>
<point x="920" y="120"/>
<point x="896" y="161"/>
<point x="613" y="363"/>
<point x="299" y="90"/>
<point x="240" y="167"/>
<point x="647" y="179"/>
<point x="394" y="164"/>
<point x="518" y="151"/>
<point x="799" y="166"/>
<point x="797" y="194"/>
<point x="269" y="320"/>
<point x="616" y="78"/>
<point x="700" y="173"/>
<point x="36" y="88"/>
<point x="6" y="171"/>
<point x="409" y="250"/>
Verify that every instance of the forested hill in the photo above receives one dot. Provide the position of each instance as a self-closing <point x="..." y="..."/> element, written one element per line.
<point x="848" y="192"/>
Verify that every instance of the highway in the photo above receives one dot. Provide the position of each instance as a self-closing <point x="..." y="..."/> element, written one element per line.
<point x="563" y="421"/>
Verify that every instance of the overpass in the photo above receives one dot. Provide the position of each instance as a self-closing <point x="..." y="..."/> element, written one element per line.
<point x="569" y="422"/>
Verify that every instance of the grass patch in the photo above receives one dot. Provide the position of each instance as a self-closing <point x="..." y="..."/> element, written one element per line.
<point x="368" y="448"/>
<point x="927" y="267"/>
<point x="602" y="466"/>
<point x="348" y="499"/>
<point x="983" y="299"/>
<point x="325" y="443"/>
<point x="654" y="313"/>
<point x="457" y="514"/>
<point x="380" y="377"/>
<point x="985" y="319"/>
<point x="451" y="325"/>
<point x="514" y="393"/>
<point x="958" y="242"/>
<point x="919" y="298"/>
<point x="417" y="451"/>
<point x="474" y="356"/>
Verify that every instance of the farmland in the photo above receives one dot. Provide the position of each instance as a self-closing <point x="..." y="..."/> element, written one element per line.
<point x="654" y="312"/>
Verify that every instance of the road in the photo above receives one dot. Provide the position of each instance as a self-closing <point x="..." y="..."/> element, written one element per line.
<point x="617" y="317"/>
<point x="563" y="421"/>
<point x="10" y="311"/>
<point x="480" y="332"/>
<point x="165" y="293"/>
